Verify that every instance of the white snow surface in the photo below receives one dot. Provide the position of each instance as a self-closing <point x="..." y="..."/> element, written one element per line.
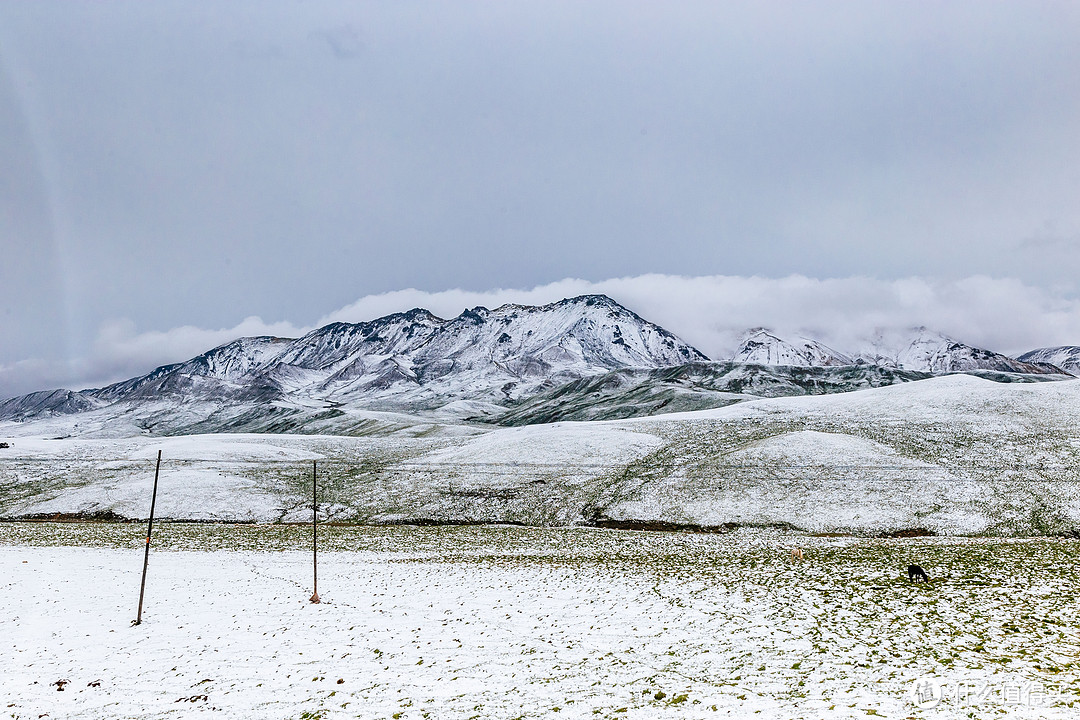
<point x="511" y="623"/>
<point x="554" y="444"/>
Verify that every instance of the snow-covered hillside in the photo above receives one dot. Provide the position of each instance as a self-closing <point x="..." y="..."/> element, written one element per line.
<point x="950" y="455"/>
<point x="1066" y="357"/>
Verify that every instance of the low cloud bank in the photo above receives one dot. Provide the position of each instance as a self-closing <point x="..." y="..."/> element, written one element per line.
<point x="709" y="312"/>
<point x="120" y="352"/>
<point x="712" y="312"/>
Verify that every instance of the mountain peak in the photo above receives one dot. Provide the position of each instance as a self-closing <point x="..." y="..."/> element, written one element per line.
<point x="761" y="346"/>
<point x="1066" y="357"/>
<point x="476" y="315"/>
<point x="590" y="300"/>
<point x="419" y="313"/>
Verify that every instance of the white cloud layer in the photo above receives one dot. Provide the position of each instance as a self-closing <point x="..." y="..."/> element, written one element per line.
<point x="709" y="312"/>
<point x="120" y="352"/>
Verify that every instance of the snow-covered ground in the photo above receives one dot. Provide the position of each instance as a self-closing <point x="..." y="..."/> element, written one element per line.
<point x="502" y="622"/>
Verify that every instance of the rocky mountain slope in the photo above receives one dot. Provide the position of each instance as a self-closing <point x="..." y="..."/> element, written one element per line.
<point x="635" y="392"/>
<point x="1066" y="357"/>
<point x="473" y="365"/>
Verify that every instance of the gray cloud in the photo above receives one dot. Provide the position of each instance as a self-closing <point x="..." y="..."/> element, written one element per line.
<point x="119" y="351"/>
<point x="1049" y="240"/>
<point x="343" y="41"/>
<point x="180" y="164"/>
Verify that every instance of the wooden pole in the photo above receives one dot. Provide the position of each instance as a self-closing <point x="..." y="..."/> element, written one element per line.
<point x="149" y="528"/>
<point x="314" y="533"/>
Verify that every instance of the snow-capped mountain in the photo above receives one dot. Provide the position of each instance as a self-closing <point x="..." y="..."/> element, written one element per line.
<point x="924" y="350"/>
<point x="231" y="371"/>
<point x="406" y="362"/>
<point x="914" y="350"/>
<point x="1066" y="357"/>
<point x="582" y="358"/>
<point x="762" y="347"/>
<point x="514" y="348"/>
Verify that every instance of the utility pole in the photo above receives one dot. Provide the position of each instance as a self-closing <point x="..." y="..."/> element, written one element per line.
<point x="149" y="528"/>
<point x="314" y="533"/>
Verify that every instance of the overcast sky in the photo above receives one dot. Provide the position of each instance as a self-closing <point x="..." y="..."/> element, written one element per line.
<point x="175" y="174"/>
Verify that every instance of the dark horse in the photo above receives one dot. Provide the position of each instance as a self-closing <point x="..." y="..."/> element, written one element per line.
<point x="914" y="572"/>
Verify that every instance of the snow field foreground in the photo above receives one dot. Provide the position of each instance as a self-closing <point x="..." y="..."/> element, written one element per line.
<point x="499" y="622"/>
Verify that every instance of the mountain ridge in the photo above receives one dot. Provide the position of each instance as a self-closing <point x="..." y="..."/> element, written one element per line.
<point x="915" y="349"/>
<point x="412" y="361"/>
<point x="1066" y="357"/>
<point x="586" y="357"/>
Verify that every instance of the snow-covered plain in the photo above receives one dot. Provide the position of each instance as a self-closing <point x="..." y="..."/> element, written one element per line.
<point x="506" y="622"/>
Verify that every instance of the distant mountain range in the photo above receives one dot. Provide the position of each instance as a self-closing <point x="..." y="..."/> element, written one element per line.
<point x="581" y="358"/>
<point x="917" y="350"/>
<point x="1066" y="357"/>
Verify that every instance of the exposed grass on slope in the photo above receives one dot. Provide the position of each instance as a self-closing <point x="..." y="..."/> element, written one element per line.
<point x="953" y="455"/>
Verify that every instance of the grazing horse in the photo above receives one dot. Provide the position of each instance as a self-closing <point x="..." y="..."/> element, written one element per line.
<point x="914" y="572"/>
<point x="796" y="554"/>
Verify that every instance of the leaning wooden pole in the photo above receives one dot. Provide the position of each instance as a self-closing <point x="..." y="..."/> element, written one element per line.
<point x="149" y="529"/>
<point x="314" y="533"/>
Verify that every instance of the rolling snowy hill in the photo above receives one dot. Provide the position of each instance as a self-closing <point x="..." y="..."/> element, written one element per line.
<point x="947" y="455"/>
